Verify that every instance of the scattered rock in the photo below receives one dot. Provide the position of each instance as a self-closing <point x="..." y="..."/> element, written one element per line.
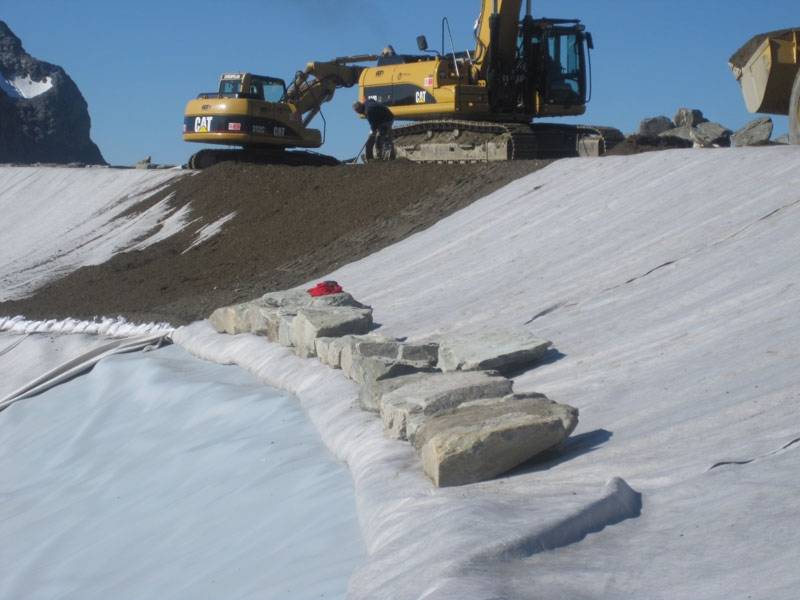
<point x="653" y="126"/>
<point x="755" y="133"/>
<point x="710" y="135"/>
<point x="480" y="441"/>
<point x="494" y="350"/>
<point x="436" y="392"/>
<point x="688" y="118"/>
<point x="145" y="163"/>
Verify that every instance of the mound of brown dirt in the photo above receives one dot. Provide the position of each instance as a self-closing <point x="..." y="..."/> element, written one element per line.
<point x="291" y="225"/>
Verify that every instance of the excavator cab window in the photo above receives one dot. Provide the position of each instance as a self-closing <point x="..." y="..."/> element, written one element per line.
<point x="271" y="90"/>
<point x="564" y="66"/>
<point x="230" y="88"/>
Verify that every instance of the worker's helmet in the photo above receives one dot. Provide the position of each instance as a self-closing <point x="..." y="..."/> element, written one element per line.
<point x="359" y="107"/>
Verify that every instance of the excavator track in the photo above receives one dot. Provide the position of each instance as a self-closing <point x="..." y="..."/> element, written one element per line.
<point x="209" y="157"/>
<point x="450" y="140"/>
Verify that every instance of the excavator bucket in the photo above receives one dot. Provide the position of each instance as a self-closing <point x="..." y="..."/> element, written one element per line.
<point x="766" y="67"/>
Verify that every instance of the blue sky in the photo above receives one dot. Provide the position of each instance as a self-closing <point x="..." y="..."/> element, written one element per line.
<point x="137" y="63"/>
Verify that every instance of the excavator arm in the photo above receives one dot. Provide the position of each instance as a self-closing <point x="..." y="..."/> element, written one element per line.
<point x="496" y="35"/>
<point x="319" y="81"/>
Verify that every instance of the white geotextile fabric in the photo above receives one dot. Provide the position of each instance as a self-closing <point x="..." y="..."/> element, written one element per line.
<point x="421" y="541"/>
<point x="57" y="219"/>
<point x="668" y="283"/>
<point x="106" y="327"/>
<point x="78" y="365"/>
<point x="160" y="476"/>
<point x="23" y="357"/>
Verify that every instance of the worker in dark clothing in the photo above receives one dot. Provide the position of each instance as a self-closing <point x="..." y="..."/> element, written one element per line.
<point x="380" y="120"/>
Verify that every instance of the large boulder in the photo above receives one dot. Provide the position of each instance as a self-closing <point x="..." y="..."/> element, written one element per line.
<point x="710" y="135"/>
<point x="681" y="133"/>
<point x="43" y="116"/>
<point x="755" y="133"/>
<point x="481" y="440"/>
<point x="653" y="126"/>
<point x="688" y="118"/>
<point x="404" y="409"/>
<point x="499" y="349"/>
<point x="231" y="319"/>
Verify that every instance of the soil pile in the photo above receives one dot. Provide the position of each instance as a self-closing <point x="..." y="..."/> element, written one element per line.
<point x="291" y="225"/>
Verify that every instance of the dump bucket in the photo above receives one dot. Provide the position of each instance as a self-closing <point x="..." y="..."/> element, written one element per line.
<point x="766" y="68"/>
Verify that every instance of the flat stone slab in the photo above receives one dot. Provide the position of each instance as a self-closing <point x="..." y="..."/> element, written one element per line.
<point x="298" y="298"/>
<point x="366" y="370"/>
<point x="334" y="321"/>
<point x="370" y="394"/>
<point x="493" y="350"/>
<point x="481" y="440"/>
<point x="429" y="395"/>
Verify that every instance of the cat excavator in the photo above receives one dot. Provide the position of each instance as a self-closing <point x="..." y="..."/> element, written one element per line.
<point x="264" y="118"/>
<point x="479" y="105"/>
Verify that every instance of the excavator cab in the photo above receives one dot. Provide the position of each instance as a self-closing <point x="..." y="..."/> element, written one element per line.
<point x="255" y="87"/>
<point x="554" y="56"/>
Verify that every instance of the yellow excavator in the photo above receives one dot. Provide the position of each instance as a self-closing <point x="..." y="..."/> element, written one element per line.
<point x="768" y="69"/>
<point x="264" y="118"/>
<point x="479" y="105"/>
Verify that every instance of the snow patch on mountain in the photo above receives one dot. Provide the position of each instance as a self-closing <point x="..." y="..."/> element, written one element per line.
<point x="25" y="87"/>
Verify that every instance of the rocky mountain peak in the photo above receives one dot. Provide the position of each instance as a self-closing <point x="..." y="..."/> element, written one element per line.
<point x="43" y="115"/>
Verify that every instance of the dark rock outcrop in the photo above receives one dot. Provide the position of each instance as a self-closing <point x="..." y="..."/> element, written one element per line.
<point x="43" y="116"/>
